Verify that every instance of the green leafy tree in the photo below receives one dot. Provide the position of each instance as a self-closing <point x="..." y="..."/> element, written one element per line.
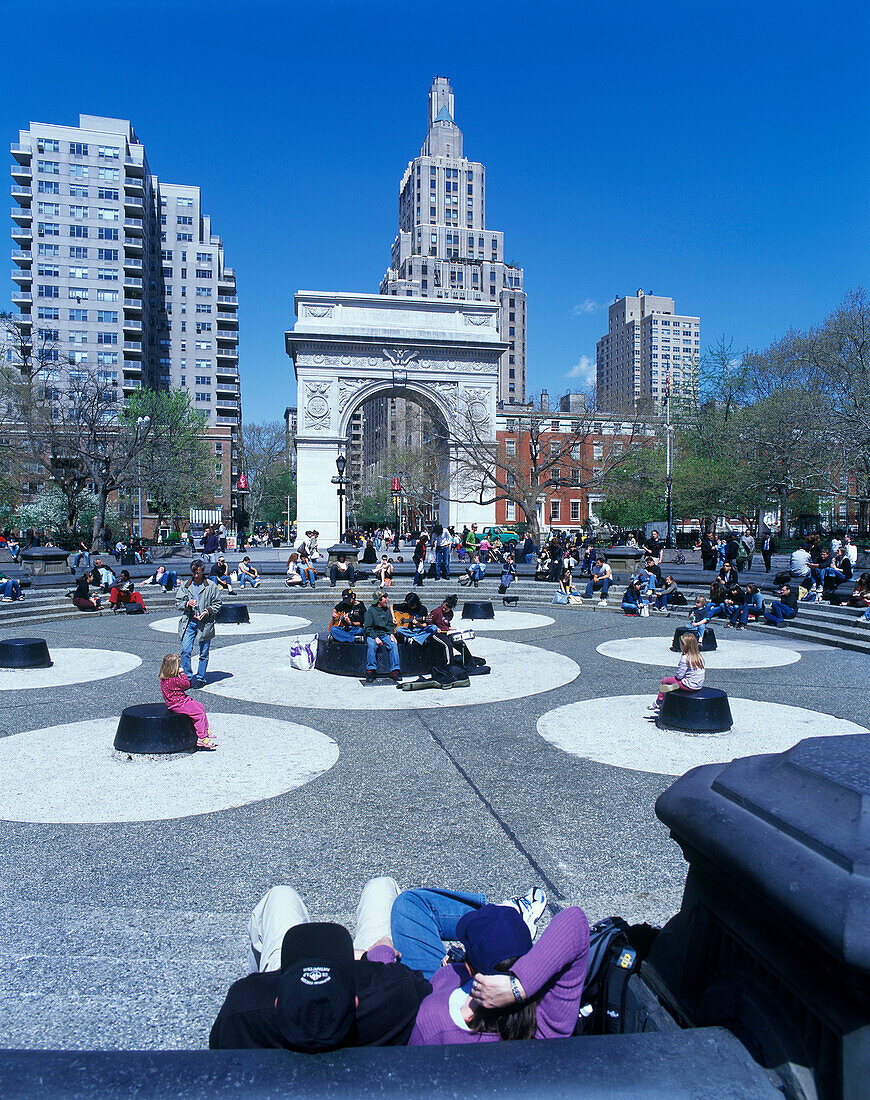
<point x="279" y="485"/>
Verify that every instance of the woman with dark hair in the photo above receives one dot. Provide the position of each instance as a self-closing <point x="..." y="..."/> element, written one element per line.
<point x="499" y="987"/>
<point x="123" y="592"/>
<point x="82" y="598"/>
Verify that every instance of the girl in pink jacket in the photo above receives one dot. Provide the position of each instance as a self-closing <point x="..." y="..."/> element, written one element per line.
<point x="174" y="685"/>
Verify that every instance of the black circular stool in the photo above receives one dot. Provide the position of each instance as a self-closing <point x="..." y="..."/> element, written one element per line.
<point x="233" y="613"/>
<point x="349" y="658"/>
<point x="703" y="711"/>
<point x="24" y="653"/>
<point x="708" y="644"/>
<point x="153" y="728"/>
<point x="478" y="609"/>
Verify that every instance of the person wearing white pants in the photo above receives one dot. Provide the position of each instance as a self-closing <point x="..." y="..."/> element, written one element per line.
<point x="311" y="988"/>
<point x="282" y="908"/>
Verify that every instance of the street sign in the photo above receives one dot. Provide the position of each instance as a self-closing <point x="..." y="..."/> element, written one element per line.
<point x="242" y="483"/>
<point x="396" y="486"/>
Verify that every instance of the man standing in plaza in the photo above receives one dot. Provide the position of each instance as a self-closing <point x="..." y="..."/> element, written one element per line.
<point x="199" y="601"/>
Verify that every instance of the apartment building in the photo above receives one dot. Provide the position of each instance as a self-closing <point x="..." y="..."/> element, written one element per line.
<point x="443" y="248"/>
<point x="118" y="272"/>
<point x="647" y="349"/>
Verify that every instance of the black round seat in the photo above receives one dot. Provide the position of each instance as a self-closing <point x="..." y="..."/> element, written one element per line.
<point x="478" y="609"/>
<point x="703" y="711"/>
<point x="708" y="644"/>
<point x="24" y="653"/>
<point x="349" y="658"/>
<point x="233" y="613"/>
<point x="153" y="728"/>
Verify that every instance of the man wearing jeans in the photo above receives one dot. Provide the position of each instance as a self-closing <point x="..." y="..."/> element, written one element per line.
<point x="783" y="608"/>
<point x="601" y="577"/>
<point x="199" y="601"/>
<point x="313" y="989"/>
<point x="380" y="630"/>
<point x="443" y="545"/>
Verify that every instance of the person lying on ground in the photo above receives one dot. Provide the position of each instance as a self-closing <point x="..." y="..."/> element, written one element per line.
<point x="166" y="578"/>
<point x="312" y="988"/>
<point x="499" y="987"/>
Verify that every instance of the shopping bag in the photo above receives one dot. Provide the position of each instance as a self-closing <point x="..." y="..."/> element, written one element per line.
<point x="303" y="652"/>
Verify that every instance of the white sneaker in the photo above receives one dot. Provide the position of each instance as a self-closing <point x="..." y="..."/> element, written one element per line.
<point x="530" y="907"/>
<point x="602" y="603"/>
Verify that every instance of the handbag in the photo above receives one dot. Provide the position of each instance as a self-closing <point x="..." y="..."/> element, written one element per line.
<point x="303" y="652"/>
<point x="559" y="596"/>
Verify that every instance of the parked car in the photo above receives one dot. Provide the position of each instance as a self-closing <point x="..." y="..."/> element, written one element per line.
<point x="506" y="535"/>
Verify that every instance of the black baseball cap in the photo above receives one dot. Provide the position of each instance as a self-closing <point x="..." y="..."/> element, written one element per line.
<point x="316" y="1006"/>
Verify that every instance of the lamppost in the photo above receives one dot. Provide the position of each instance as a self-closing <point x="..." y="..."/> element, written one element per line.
<point x="340" y="465"/>
<point x="142" y="422"/>
<point x="669" y="480"/>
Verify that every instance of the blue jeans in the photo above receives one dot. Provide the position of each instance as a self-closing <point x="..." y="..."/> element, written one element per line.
<point x="82" y="554"/>
<point x="11" y="589"/>
<point x="341" y="635"/>
<point x="245" y="578"/>
<point x="169" y="580"/>
<point x="422" y="919"/>
<point x="372" y="653"/>
<point x="192" y="632"/>
<point x="442" y="562"/>
<point x="778" y="612"/>
<point x="604" y="585"/>
<point x="477" y="572"/>
<point x="307" y="573"/>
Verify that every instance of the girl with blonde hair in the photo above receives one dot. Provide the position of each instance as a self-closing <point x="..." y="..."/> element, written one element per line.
<point x="690" y="670"/>
<point x="174" y="684"/>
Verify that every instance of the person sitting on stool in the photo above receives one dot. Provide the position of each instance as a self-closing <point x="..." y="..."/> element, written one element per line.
<point x="347" y="618"/>
<point x="342" y="570"/>
<point x="380" y="630"/>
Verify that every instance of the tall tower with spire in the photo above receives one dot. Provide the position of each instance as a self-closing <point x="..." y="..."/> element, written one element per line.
<point x="443" y="248"/>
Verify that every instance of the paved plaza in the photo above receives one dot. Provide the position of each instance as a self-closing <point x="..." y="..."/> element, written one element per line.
<point x="127" y="884"/>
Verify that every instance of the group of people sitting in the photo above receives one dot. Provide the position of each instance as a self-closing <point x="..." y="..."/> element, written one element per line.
<point x="313" y="988"/>
<point x="381" y="625"/>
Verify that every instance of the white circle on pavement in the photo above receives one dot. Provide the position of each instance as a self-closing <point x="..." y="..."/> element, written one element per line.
<point x="729" y="654"/>
<point x="259" y="624"/>
<point x="505" y="620"/>
<point x="617" y="731"/>
<point x="260" y="672"/>
<point x="71" y="666"/>
<point x="70" y="773"/>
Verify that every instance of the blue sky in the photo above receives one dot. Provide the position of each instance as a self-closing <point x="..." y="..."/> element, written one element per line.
<point x="717" y="153"/>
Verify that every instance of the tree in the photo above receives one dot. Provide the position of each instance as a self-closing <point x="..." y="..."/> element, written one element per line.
<point x="536" y="457"/>
<point x="36" y="425"/>
<point x="264" y="446"/>
<point x="424" y="476"/>
<point x="279" y="486"/>
<point x="175" y="467"/>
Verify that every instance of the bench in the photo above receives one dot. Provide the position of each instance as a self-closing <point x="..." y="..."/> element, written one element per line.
<point x="707" y="646"/>
<point x="24" y="653"/>
<point x="349" y="658"/>
<point x="153" y="728"/>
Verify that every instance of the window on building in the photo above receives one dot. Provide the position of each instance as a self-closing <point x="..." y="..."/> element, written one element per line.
<point x="48" y="313"/>
<point x="107" y="193"/>
<point x="78" y="273"/>
<point x="107" y="214"/>
<point x="510" y="511"/>
<point x="107" y="295"/>
<point x="107" y="253"/>
<point x="555" y="510"/>
<point x="105" y="234"/>
<point x="78" y="171"/>
<point x="575" y="511"/>
<point x="510" y="448"/>
<point x="107" y="316"/>
<point x="110" y="175"/>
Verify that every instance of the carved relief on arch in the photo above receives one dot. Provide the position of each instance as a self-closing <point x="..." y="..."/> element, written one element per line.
<point x="317" y="311"/>
<point x="400" y="357"/>
<point x="317" y="408"/>
<point x="347" y="387"/>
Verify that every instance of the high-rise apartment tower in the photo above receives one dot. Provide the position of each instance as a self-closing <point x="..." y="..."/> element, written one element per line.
<point x="443" y="248"/>
<point x="646" y="346"/>
<point x="124" y="274"/>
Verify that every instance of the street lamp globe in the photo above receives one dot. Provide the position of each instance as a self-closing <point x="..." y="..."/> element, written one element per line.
<point x="341" y="465"/>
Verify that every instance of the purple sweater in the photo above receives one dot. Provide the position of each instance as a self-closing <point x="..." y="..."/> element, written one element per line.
<point x="556" y="964"/>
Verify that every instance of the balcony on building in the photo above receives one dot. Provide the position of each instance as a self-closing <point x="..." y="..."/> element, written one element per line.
<point x="228" y="390"/>
<point x="23" y="195"/>
<point x="133" y="168"/>
<point x="227" y="353"/>
<point x="22" y="215"/>
<point x="134" y="205"/>
<point x="22" y="297"/>
<point x="133" y="186"/>
<point x="132" y="285"/>
<point x="228" y="336"/>
<point x="231" y="319"/>
<point x="24" y="319"/>
<point x="132" y="263"/>
<point x="22" y="276"/>
<point x="22" y="256"/>
<point x="134" y="305"/>
<point x="133" y="324"/>
<point x="134" y="227"/>
<point x="229" y="301"/>
<point x="228" y="373"/>
<point x="227" y="419"/>
<point x="22" y="173"/>
<point x="134" y="246"/>
<point x="132" y="349"/>
<point x="22" y="153"/>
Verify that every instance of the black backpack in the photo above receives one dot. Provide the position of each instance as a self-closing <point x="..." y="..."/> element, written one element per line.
<point x="612" y="960"/>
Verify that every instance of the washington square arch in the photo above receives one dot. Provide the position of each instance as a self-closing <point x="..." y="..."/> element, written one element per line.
<point x="350" y="348"/>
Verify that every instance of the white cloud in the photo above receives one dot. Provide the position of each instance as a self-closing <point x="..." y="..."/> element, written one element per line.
<point x="584" y="369"/>
<point x="587" y="306"/>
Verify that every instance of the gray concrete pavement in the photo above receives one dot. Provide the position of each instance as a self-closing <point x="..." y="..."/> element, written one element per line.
<point x="128" y="934"/>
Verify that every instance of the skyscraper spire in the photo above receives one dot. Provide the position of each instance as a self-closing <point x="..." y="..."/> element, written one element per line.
<point x="444" y="138"/>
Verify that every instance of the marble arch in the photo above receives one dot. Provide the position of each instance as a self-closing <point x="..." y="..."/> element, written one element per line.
<point x="347" y="348"/>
